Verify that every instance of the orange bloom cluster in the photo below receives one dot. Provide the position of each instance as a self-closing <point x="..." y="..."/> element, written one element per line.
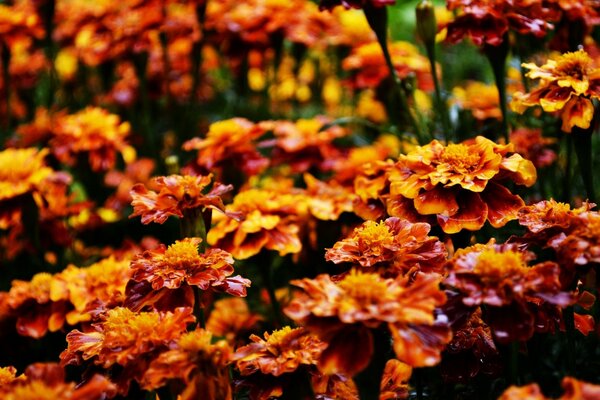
<point x="368" y="68"/>
<point x="533" y="146"/>
<point x="573" y="390"/>
<point x="342" y="314"/>
<point x="93" y="131"/>
<point x="48" y="301"/>
<point x="459" y="184"/>
<point x="499" y="277"/>
<point x="194" y="360"/>
<point x="232" y="319"/>
<point x="482" y="100"/>
<point x="159" y="273"/>
<point x="128" y="339"/>
<point x="47" y="381"/>
<point x="327" y="200"/>
<point x="487" y="22"/>
<point x="176" y="196"/>
<point x="567" y="85"/>
<point x="394" y="246"/>
<point x="19" y="22"/>
<point x="270" y="219"/>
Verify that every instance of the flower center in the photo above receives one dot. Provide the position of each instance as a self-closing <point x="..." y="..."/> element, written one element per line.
<point x="375" y="236"/>
<point x="182" y="254"/>
<point x="459" y="157"/>
<point x="494" y="266"/>
<point x="363" y="288"/>
<point x="574" y="64"/>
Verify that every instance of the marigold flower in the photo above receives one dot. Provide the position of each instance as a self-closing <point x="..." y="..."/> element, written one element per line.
<point x="459" y="184"/>
<point x="230" y="141"/>
<point x="270" y="219"/>
<point x="568" y="83"/>
<point x="327" y="200"/>
<point x="168" y="268"/>
<point x="19" y="21"/>
<point x="368" y="67"/>
<point x="193" y="359"/>
<point x="482" y="100"/>
<point x="581" y="246"/>
<point x="395" y="246"/>
<point x="176" y="195"/>
<point x="93" y="131"/>
<point x="394" y="382"/>
<point x="372" y="187"/>
<point x="487" y="22"/>
<point x="231" y="318"/>
<point x="499" y="277"/>
<point x="47" y="381"/>
<point x="533" y="146"/>
<point x="8" y="375"/>
<point x="573" y="389"/>
<point x="342" y="315"/>
<point x="138" y="171"/>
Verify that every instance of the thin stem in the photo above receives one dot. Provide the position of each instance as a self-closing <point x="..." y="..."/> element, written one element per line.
<point x="266" y="270"/>
<point x="514" y="363"/>
<point x="442" y="109"/>
<point x="582" y="140"/>
<point x="497" y="56"/>
<point x="369" y="380"/>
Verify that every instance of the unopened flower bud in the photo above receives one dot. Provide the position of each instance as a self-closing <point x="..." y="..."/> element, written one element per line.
<point x="426" y="24"/>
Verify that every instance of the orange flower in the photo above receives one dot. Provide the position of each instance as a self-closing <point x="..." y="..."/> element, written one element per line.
<point x="286" y="351"/>
<point x="368" y="68"/>
<point x="138" y="171"/>
<point x="8" y="375"/>
<point x="193" y="359"/>
<point x="394" y="382"/>
<point x="230" y="142"/>
<point x="19" y="21"/>
<point x="372" y="187"/>
<point x="581" y="246"/>
<point x="93" y="131"/>
<point x="499" y="277"/>
<point x="394" y="245"/>
<point x="230" y="318"/>
<point x="166" y="269"/>
<point x="126" y="338"/>
<point x="271" y="220"/>
<point x="574" y="390"/>
<point x="47" y="381"/>
<point x="568" y="83"/>
<point x="482" y="100"/>
<point x="327" y="200"/>
<point x="343" y="314"/>
<point x="533" y="146"/>
<point x="459" y="184"/>
<point x="176" y="196"/>
<point x="38" y="131"/>
<point x="487" y="22"/>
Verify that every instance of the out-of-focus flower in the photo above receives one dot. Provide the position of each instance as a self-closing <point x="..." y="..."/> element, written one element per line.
<point x="547" y="218"/>
<point x="176" y="196"/>
<point x="533" y="146"/>
<point x="167" y="269"/>
<point x="487" y="22"/>
<point x="47" y="381"/>
<point x="26" y="64"/>
<point x="392" y="247"/>
<point x="573" y="390"/>
<point x="461" y="184"/>
<point x="128" y="339"/>
<point x="8" y="375"/>
<point x="305" y="144"/>
<point x="580" y="246"/>
<point x="197" y="362"/>
<point x="394" y="382"/>
<point x="368" y="68"/>
<point x="472" y="351"/>
<point x="18" y="22"/>
<point x="568" y="83"/>
<point x="38" y="131"/>
<point x="330" y="4"/>
<point x="270" y="219"/>
<point x="342" y="315"/>
<point x="230" y="142"/>
<point x="95" y="132"/>
<point x="482" y="100"/>
<point x="499" y="277"/>
<point x="232" y="319"/>
<point x="136" y="172"/>
<point x="327" y="200"/>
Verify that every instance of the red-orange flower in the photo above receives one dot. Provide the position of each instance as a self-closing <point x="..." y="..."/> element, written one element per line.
<point x="327" y="200"/>
<point x="176" y="195"/>
<point x="270" y="219"/>
<point x="568" y="84"/>
<point x="138" y="171"/>
<point x="197" y="362"/>
<point x="482" y="100"/>
<point x="368" y="67"/>
<point x="394" y="382"/>
<point x="393" y="246"/>
<point x="92" y="131"/>
<point x="573" y="390"/>
<point x="230" y="142"/>
<point x="342" y="314"/>
<point x="459" y="184"/>
<point x="499" y="277"/>
<point x="232" y="319"/>
<point x="19" y="21"/>
<point x="166" y="269"/>
<point x="580" y="246"/>
<point x="533" y="146"/>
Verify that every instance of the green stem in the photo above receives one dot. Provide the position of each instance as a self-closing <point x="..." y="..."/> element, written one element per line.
<point x="266" y="270"/>
<point x="497" y="56"/>
<point x="582" y="140"/>
<point x="377" y="18"/>
<point x="442" y="109"/>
